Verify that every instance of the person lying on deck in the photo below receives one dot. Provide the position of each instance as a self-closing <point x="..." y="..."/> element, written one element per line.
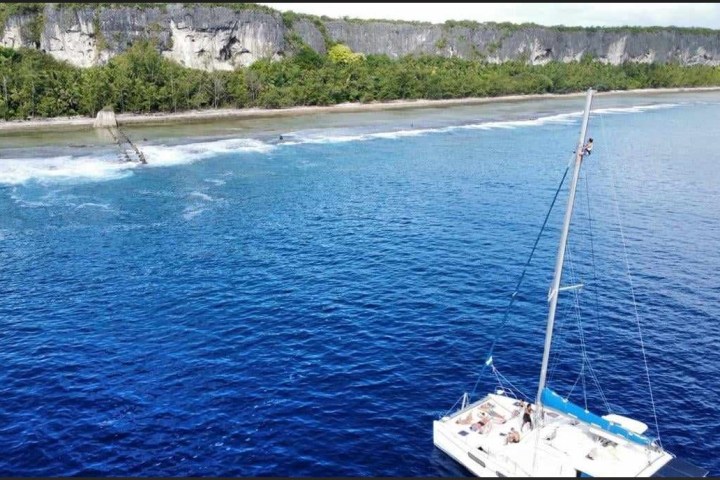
<point x="467" y="420"/>
<point x="480" y="425"/>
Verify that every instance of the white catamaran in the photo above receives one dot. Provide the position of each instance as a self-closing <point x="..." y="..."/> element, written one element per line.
<point x="566" y="440"/>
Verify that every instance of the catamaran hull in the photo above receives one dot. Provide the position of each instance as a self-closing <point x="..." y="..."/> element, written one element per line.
<point x="566" y="444"/>
<point x="460" y="453"/>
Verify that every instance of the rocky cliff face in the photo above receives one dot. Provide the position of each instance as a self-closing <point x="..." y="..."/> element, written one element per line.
<point x="222" y="38"/>
<point x="537" y="45"/>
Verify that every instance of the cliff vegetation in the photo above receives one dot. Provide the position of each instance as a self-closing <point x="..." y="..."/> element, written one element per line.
<point x="141" y="80"/>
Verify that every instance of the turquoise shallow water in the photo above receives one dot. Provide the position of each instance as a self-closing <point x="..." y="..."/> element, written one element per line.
<point x="307" y="308"/>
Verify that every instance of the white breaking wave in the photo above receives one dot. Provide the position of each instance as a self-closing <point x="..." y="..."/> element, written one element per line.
<point x="102" y="206"/>
<point x="165" y="155"/>
<point x="562" y="118"/>
<point x="215" y="181"/>
<point x="299" y="138"/>
<point x="106" y="167"/>
<point x="16" y="171"/>
<point x="635" y="109"/>
<point x="191" y="213"/>
<point x="202" y="196"/>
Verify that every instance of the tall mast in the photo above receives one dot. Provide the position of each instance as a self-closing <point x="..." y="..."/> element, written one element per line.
<point x="555" y="286"/>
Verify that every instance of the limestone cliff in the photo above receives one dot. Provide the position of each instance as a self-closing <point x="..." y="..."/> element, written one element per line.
<point x="219" y="37"/>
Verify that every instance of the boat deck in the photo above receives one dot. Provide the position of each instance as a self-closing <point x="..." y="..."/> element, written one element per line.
<point x="563" y="446"/>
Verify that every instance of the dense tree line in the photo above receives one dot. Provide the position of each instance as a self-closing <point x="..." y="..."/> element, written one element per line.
<point x="33" y="84"/>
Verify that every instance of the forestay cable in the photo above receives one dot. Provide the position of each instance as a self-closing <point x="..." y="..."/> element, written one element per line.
<point x="517" y="287"/>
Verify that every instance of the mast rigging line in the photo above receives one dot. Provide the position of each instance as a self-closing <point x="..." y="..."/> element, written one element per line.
<point x="506" y="315"/>
<point x="583" y="345"/>
<point x="632" y="292"/>
<point x="592" y="257"/>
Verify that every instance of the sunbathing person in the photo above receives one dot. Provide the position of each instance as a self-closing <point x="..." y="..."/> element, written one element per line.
<point x="479" y="426"/>
<point x="465" y="421"/>
<point x="512" y="437"/>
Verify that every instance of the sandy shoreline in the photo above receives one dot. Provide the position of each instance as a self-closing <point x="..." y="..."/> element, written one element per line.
<point x="193" y="116"/>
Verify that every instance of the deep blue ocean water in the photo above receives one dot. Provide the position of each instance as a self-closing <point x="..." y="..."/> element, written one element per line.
<point x="242" y="307"/>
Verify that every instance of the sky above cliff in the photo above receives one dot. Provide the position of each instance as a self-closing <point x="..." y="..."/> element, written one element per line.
<point x="575" y="14"/>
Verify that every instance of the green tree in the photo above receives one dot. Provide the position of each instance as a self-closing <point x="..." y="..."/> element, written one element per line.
<point x="340" y="53"/>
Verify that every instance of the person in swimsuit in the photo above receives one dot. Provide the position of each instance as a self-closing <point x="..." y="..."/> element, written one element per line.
<point x="587" y="148"/>
<point x="527" y="417"/>
<point x="480" y="425"/>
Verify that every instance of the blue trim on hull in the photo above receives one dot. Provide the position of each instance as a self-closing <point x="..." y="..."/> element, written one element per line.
<point x="552" y="400"/>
